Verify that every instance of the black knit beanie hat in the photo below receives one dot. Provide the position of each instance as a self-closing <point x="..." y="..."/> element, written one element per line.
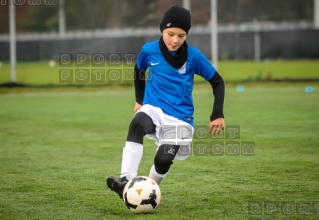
<point x="176" y="16"/>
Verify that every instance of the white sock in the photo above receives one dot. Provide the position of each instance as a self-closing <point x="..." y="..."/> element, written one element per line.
<point x="131" y="158"/>
<point x="158" y="178"/>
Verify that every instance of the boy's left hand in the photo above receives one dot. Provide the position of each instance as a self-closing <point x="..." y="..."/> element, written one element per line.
<point x="216" y="126"/>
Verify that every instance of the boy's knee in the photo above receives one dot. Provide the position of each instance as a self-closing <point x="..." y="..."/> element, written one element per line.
<point x="164" y="157"/>
<point x="137" y="121"/>
<point x="142" y="121"/>
<point x="140" y="124"/>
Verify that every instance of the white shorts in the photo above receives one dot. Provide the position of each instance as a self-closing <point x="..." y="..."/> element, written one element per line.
<point x="170" y="130"/>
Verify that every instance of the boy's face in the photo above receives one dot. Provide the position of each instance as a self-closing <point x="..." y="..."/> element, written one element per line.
<point x="174" y="38"/>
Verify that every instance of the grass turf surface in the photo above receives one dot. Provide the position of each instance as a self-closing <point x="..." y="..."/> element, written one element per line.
<point x="40" y="73"/>
<point x="56" y="148"/>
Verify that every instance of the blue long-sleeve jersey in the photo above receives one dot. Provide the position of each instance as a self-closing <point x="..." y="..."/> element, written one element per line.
<point x="169" y="88"/>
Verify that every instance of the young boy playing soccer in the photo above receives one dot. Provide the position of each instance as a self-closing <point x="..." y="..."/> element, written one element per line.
<point x="164" y="105"/>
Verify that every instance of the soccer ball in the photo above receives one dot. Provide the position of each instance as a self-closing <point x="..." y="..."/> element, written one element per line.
<point x="141" y="195"/>
<point x="52" y="63"/>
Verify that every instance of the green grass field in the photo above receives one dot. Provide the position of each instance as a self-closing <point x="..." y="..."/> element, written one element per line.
<point x="40" y="73"/>
<point x="56" y="148"/>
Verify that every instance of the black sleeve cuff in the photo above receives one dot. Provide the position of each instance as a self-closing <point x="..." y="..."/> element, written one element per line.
<point x="218" y="86"/>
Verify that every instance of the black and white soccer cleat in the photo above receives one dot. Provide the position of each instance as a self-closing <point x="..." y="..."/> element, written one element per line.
<point x="116" y="184"/>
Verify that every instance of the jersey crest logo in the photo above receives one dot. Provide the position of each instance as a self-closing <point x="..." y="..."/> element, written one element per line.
<point x="182" y="70"/>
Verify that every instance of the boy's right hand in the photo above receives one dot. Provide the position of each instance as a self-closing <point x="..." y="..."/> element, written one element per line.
<point x="137" y="107"/>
